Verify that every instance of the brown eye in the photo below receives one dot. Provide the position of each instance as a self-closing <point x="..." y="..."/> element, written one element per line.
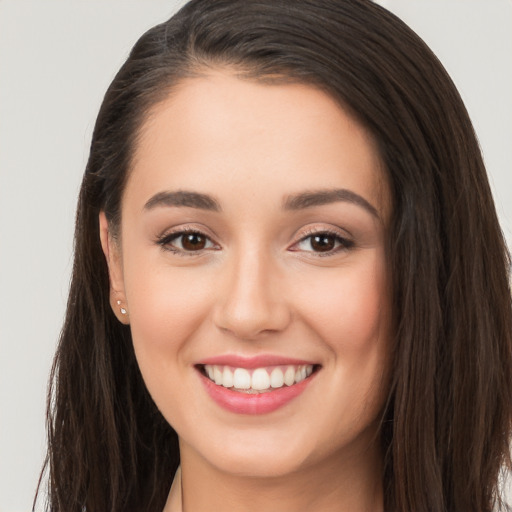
<point x="185" y="242"/>
<point x="193" y="241"/>
<point x="323" y="242"/>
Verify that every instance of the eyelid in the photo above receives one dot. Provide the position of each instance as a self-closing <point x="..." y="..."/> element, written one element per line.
<point x="346" y="242"/>
<point x="164" y="239"/>
<point x="185" y="228"/>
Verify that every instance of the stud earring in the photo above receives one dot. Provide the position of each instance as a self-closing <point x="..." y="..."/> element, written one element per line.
<point x="123" y="310"/>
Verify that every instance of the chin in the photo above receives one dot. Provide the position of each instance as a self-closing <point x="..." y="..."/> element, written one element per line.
<point x="255" y="454"/>
<point x="259" y="465"/>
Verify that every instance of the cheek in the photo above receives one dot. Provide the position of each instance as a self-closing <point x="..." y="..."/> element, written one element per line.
<point x="350" y="314"/>
<point x="167" y="307"/>
<point x="362" y="315"/>
<point x="350" y="308"/>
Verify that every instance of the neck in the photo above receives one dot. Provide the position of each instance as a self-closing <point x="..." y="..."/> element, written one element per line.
<point x="326" y="487"/>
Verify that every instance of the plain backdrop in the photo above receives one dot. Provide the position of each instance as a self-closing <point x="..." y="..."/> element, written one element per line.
<point x="56" y="60"/>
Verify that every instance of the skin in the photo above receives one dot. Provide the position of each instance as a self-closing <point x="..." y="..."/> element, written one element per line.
<point x="259" y="286"/>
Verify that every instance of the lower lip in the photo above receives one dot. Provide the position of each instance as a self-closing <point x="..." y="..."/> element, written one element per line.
<point x="260" y="403"/>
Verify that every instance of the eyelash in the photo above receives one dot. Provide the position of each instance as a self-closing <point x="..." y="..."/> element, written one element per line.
<point x="344" y="244"/>
<point x="165" y="241"/>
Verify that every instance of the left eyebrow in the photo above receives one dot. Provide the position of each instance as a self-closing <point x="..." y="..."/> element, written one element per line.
<point x="313" y="198"/>
<point x="183" y="198"/>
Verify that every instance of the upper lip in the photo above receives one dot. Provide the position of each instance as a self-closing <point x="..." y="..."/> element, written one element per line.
<point x="259" y="361"/>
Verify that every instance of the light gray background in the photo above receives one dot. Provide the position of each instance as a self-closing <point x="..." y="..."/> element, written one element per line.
<point x="56" y="60"/>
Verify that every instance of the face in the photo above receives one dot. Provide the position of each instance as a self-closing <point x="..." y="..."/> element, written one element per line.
<point x="252" y="265"/>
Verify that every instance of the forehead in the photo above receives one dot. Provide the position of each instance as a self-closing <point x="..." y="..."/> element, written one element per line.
<point x="222" y="132"/>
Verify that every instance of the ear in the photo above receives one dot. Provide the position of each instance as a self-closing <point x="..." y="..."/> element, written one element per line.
<point x="112" y="253"/>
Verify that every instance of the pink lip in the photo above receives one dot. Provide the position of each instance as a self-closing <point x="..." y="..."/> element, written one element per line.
<point x="245" y="403"/>
<point x="259" y="361"/>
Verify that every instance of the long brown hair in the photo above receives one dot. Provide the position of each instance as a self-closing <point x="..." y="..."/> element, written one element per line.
<point x="446" y="425"/>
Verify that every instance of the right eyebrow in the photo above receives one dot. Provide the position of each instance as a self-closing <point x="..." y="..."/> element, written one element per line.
<point x="313" y="198"/>
<point x="183" y="198"/>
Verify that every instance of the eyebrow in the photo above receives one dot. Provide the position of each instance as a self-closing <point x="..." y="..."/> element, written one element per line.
<point x="313" y="198"/>
<point x="183" y="198"/>
<point x="300" y="201"/>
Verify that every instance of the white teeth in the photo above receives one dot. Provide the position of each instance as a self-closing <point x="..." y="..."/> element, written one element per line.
<point x="217" y="375"/>
<point x="258" y="379"/>
<point x="241" y="379"/>
<point x="289" y="376"/>
<point x="227" y="378"/>
<point x="277" y="378"/>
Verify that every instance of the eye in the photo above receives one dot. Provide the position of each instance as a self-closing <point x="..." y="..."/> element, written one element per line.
<point x="324" y="242"/>
<point x="186" y="242"/>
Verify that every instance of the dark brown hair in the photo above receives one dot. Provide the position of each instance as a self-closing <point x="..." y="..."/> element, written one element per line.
<point x="446" y="425"/>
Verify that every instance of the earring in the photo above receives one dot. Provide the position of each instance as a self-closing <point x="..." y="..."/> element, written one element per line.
<point x="123" y="310"/>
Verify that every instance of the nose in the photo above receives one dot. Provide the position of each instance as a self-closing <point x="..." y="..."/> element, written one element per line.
<point x="251" y="300"/>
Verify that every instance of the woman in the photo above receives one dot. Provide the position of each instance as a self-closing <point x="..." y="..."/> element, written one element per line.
<point x="289" y="277"/>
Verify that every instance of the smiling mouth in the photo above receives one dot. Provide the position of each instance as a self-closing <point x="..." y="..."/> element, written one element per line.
<point x="257" y="380"/>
